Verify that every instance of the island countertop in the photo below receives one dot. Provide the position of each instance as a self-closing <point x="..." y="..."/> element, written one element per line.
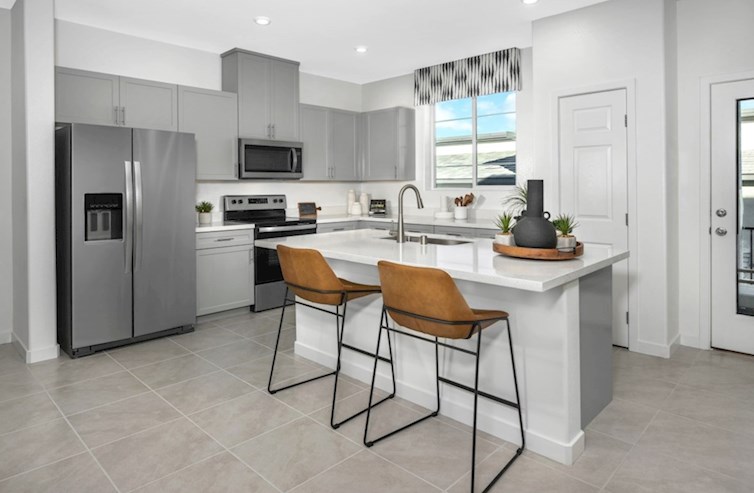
<point x="474" y="261"/>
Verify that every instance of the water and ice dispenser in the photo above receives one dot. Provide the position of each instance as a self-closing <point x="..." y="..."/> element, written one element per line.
<point x="104" y="216"/>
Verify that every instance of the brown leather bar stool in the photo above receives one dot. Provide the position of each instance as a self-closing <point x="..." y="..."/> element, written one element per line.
<point x="427" y="300"/>
<point x="307" y="274"/>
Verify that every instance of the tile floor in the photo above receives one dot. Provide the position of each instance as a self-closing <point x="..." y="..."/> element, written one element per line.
<point x="190" y="414"/>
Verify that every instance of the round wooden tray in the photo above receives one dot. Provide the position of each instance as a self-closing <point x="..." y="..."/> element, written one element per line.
<point x="539" y="253"/>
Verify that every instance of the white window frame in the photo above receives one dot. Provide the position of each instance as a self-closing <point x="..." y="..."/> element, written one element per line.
<point x="432" y="168"/>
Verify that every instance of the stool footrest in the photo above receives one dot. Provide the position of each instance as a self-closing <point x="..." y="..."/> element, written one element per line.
<point x="369" y="443"/>
<point x="365" y="353"/>
<point x="272" y="391"/>
<point x="336" y="425"/>
<point x="479" y="392"/>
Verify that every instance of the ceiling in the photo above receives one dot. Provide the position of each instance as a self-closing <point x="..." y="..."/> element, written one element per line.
<point x="402" y="35"/>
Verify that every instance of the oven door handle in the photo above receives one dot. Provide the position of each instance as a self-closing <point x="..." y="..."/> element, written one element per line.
<point x="282" y="229"/>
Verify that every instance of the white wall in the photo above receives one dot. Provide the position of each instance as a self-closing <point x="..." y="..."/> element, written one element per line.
<point x="714" y="39"/>
<point x="399" y="91"/>
<point x="6" y="200"/>
<point x="613" y="42"/>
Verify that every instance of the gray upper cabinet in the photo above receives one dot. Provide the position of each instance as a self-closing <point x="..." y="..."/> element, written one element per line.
<point x="213" y="117"/>
<point x="330" y="139"/>
<point x="104" y="99"/>
<point x="149" y="104"/>
<point x="268" y="94"/>
<point x="86" y="97"/>
<point x="388" y="144"/>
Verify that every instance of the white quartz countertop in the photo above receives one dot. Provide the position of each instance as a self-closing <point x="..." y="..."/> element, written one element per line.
<point x="221" y="226"/>
<point x="428" y="220"/>
<point x="474" y="261"/>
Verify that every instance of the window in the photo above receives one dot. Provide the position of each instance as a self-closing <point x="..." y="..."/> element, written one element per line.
<point x="475" y="141"/>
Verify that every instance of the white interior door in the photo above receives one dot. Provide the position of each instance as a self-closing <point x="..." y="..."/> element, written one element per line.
<point x="593" y="181"/>
<point x="732" y="215"/>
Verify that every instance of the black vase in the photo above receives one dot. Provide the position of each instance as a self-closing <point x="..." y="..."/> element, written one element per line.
<point x="534" y="229"/>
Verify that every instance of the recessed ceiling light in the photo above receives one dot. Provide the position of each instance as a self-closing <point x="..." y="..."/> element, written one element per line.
<point x="262" y="20"/>
<point x="529" y="2"/>
<point x="361" y="49"/>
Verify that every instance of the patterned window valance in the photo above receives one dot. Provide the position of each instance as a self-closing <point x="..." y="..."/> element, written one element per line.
<point x="474" y="76"/>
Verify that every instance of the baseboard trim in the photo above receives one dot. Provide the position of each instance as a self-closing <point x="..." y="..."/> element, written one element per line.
<point x="692" y="341"/>
<point x="651" y="348"/>
<point x="564" y="453"/>
<point x="36" y="355"/>
<point x="6" y="336"/>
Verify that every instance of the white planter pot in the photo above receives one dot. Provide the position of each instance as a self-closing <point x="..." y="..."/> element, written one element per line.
<point x="505" y="239"/>
<point x="205" y="218"/>
<point x="567" y="241"/>
<point x="461" y="213"/>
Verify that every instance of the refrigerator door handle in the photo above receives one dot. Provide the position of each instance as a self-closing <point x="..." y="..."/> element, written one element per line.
<point x="128" y="233"/>
<point x="139" y="197"/>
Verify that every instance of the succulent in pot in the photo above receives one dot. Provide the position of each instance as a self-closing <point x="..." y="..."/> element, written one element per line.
<point x="504" y="223"/>
<point x="205" y="212"/>
<point x="565" y="224"/>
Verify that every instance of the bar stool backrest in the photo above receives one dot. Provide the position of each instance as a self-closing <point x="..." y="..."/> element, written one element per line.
<point x="425" y="292"/>
<point x="309" y="276"/>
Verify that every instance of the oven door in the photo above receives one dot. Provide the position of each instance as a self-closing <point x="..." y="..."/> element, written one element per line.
<point x="270" y="159"/>
<point x="266" y="263"/>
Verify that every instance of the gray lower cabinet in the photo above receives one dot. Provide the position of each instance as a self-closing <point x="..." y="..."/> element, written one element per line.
<point x="224" y="271"/>
<point x="212" y="116"/>
<point x="381" y="225"/>
<point x="486" y="233"/>
<point x="330" y="138"/>
<point x="418" y="228"/>
<point x="465" y="232"/>
<point x="104" y="99"/>
<point x="387" y="144"/>
<point x="340" y="226"/>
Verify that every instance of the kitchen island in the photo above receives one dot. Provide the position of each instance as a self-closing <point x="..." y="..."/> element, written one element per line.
<point x="560" y="314"/>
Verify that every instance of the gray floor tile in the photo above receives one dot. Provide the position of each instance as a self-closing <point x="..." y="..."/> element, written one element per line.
<point x="33" y="447"/>
<point x="257" y="372"/>
<point x="26" y="411"/>
<point x="155" y="453"/>
<point x="117" y="420"/>
<point x="173" y="370"/>
<point x="245" y="417"/>
<point x="712" y="408"/>
<point x="146" y="353"/>
<point x="79" y="473"/>
<point x="723" y="374"/>
<point x="315" y="395"/>
<point x="726" y="452"/>
<point x="296" y="452"/>
<point x="287" y="339"/>
<point x="371" y="473"/>
<point x="206" y="339"/>
<point x="202" y="392"/>
<point x="96" y="392"/>
<point x="67" y="371"/>
<point x="643" y="366"/>
<point x="434" y="451"/>
<point x="10" y="360"/>
<point x="235" y="354"/>
<point x="641" y="390"/>
<point x="257" y="326"/>
<point x="623" y="420"/>
<point x="222" y="473"/>
<point x="19" y="384"/>
<point x="645" y="471"/>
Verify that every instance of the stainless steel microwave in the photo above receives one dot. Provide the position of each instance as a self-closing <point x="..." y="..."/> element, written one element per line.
<point x="271" y="159"/>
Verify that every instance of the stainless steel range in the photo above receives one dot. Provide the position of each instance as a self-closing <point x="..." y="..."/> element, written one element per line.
<point x="267" y="213"/>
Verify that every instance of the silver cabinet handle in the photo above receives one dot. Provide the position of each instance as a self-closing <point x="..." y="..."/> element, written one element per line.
<point x="721" y="213"/>
<point x="224" y="239"/>
<point x="139" y="196"/>
<point x="721" y="231"/>
<point x="269" y="131"/>
<point x="116" y="110"/>
<point x="123" y="115"/>
<point x="129" y="217"/>
<point x="273" y="130"/>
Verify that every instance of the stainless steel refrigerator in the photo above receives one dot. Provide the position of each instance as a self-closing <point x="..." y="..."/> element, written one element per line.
<point x="125" y="235"/>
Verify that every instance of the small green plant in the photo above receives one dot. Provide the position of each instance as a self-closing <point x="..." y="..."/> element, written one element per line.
<point x="204" y="207"/>
<point x="504" y="222"/>
<point x="565" y="224"/>
<point x="517" y="200"/>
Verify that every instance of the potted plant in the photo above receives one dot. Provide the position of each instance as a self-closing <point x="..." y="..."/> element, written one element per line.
<point x="564" y="224"/>
<point x="205" y="212"/>
<point x="504" y="223"/>
<point x="461" y="212"/>
<point x="516" y="202"/>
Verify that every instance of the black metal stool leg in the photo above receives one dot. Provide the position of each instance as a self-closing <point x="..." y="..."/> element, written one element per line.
<point x="476" y="404"/>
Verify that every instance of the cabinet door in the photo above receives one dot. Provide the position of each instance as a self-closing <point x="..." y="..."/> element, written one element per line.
<point x="284" y="106"/>
<point x="343" y="130"/>
<point x="418" y="228"/>
<point x="381" y="146"/>
<point x="486" y="233"/>
<point x="224" y="279"/>
<point x="254" y="96"/>
<point x="406" y="145"/>
<point x="149" y="104"/>
<point x="212" y="116"/>
<point x="85" y="97"/>
<point x="455" y="231"/>
<point x="314" y="136"/>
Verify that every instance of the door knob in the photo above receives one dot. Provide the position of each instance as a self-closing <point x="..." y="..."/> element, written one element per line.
<point x="721" y="213"/>
<point x="721" y="231"/>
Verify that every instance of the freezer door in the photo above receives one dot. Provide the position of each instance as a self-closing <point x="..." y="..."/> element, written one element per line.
<point x="164" y="227"/>
<point x="100" y="166"/>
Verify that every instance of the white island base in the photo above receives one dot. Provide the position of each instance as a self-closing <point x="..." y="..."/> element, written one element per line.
<point x="561" y="327"/>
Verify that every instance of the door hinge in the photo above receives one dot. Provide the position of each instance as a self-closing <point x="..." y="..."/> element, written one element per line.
<point x="625" y="120"/>
<point x="626" y="318"/>
<point x="626" y="219"/>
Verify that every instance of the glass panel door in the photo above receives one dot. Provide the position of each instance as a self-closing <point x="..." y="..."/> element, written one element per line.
<point x="745" y="155"/>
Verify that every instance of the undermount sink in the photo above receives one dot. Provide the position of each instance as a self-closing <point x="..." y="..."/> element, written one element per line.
<point x="430" y="241"/>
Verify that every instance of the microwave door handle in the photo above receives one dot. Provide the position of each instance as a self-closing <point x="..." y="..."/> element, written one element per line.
<point x="292" y="159"/>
